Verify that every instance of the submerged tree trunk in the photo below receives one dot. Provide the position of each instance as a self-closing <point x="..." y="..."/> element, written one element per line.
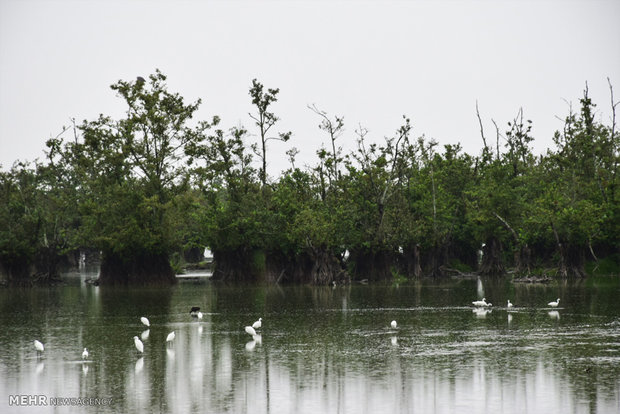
<point x="571" y="258"/>
<point x="234" y="266"/>
<point x="142" y="270"/>
<point x="42" y="269"/>
<point x="371" y="265"/>
<point x="326" y="268"/>
<point x="411" y="261"/>
<point x="47" y="264"/>
<point x="571" y="262"/>
<point x="523" y="259"/>
<point x="18" y="272"/>
<point x="436" y="261"/>
<point x="521" y="250"/>
<point x="317" y="266"/>
<point x="492" y="264"/>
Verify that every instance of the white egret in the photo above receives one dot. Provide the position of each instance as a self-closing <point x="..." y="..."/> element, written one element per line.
<point x="393" y="324"/>
<point x="38" y="346"/>
<point x="250" y="330"/>
<point x="480" y="302"/>
<point x="345" y="255"/>
<point x="138" y="343"/>
<point x="170" y="337"/>
<point x="145" y="321"/>
<point x="85" y="353"/>
<point x="258" y="323"/>
<point x="509" y="305"/>
<point x="554" y="304"/>
<point x="199" y="315"/>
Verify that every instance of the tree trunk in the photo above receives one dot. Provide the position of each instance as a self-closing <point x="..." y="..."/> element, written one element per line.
<point x="47" y="263"/>
<point x="572" y="258"/>
<point x="317" y="266"/>
<point x="233" y="266"/>
<point x="326" y="268"/>
<point x="371" y="265"/>
<point x="523" y="259"/>
<point x="492" y="264"/>
<point x="571" y="262"/>
<point x="141" y="270"/>
<point x="411" y="261"/>
<point x="18" y="272"/>
<point x="437" y="259"/>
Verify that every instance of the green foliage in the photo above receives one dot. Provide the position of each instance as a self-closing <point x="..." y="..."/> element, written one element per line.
<point x="156" y="182"/>
<point x="264" y="120"/>
<point x="609" y="265"/>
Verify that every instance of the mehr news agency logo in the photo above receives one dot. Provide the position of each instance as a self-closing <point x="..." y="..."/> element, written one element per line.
<point x="27" y="400"/>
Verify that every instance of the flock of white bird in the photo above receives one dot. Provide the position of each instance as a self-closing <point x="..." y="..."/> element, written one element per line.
<point x="251" y="330"/>
<point x="484" y="304"/>
<point x="194" y="312"/>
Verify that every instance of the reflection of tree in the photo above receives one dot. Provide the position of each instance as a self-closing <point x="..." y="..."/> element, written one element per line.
<point x="315" y="352"/>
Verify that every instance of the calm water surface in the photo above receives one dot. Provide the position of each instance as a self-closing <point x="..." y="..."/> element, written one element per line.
<point x="320" y="350"/>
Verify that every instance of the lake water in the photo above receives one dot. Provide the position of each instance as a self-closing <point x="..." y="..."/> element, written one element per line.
<point x="320" y="349"/>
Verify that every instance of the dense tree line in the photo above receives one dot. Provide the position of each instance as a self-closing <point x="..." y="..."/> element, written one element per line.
<point x="155" y="183"/>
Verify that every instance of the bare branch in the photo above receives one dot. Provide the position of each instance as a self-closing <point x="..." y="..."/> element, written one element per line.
<point x="497" y="137"/>
<point x="484" y="141"/>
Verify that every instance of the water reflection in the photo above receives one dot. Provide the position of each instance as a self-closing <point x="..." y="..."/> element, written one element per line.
<point x="320" y="350"/>
<point x="145" y="334"/>
<point x="481" y="312"/>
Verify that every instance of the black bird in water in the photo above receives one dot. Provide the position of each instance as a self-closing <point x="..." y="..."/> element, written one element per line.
<point x="194" y="310"/>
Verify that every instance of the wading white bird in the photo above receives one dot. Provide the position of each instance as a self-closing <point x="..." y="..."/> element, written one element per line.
<point x="199" y="315"/>
<point x="509" y="305"/>
<point x="258" y="323"/>
<point x="393" y="324"/>
<point x="554" y="304"/>
<point x="138" y="343"/>
<point x="85" y="353"/>
<point x="170" y="337"/>
<point x="38" y="346"/>
<point x="250" y="330"/>
<point x="480" y="302"/>
<point x="145" y="321"/>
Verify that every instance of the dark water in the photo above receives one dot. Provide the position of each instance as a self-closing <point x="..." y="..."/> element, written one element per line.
<point x="320" y="350"/>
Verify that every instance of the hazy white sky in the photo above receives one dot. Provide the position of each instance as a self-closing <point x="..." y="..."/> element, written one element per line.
<point x="370" y="61"/>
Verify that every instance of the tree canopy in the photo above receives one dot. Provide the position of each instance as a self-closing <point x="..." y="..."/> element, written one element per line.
<point x="157" y="182"/>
